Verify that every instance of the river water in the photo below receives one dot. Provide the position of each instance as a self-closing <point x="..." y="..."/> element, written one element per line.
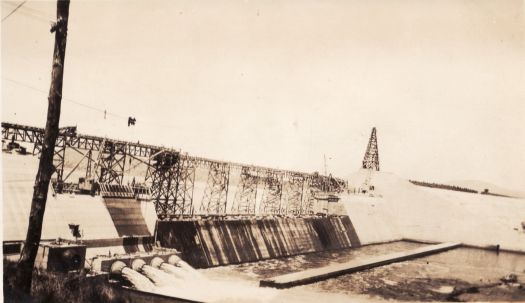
<point x="467" y="274"/>
<point x="424" y="279"/>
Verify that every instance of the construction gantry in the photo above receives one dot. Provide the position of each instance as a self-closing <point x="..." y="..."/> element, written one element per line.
<point x="171" y="175"/>
<point x="246" y="196"/>
<point x="272" y="194"/>
<point x="216" y="193"/>
<point x="294" y="194"/>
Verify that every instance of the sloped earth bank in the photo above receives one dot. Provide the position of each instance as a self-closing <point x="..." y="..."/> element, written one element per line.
<point x="464" y="274"/>
<point x="397" y="209"/>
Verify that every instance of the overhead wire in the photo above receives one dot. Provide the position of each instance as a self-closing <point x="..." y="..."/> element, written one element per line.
<point x="36" y="14"/>
<point x="44" y="17"/>
<point x="31" y="10"/>
<point x="78" y="103"/>
<point x="13" y="11"/>
<point x="65" y="98"/>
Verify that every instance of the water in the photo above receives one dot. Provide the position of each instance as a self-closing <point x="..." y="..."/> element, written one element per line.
<point x="256" y="271"/>
<point x="159" y="277"/>
<point x="139" y="281"/>
<point x="192" y="271"/>
<point x="177" y="272"/>
<point x="240" y="283"/>
<point x="434" y="277"/>
<point x="424" y="279"/>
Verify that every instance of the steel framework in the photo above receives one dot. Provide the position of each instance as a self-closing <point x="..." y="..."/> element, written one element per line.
<point x="111" y="163"/>
<point x="216" y="192"/>
<point x="59" y="157"/>
<point x="185" y="184"/>
<point x="163" y="189"/>
<point x="30" y="134"/>
<point x="371" y="159"/>
<point x="246" y="195"/>
<point x="312" y="188"/>
<point x="171" y="175"/>
<point x="294" y="194"/>
<point x="272" y="194"/>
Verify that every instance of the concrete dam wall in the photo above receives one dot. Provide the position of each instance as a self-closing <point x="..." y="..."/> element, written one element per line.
<point x="127" y="217"/>
<point x="207" y="243"/>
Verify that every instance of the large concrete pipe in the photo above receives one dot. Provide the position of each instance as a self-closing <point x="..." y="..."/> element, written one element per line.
<point x="117" y="267"/>
<point x="73" y="258"/>
<point x="137" y="264"/>
<point x="174" y="260"/>
<point x="156" y="262"/>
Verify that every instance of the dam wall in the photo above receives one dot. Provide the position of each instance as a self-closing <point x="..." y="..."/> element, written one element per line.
<point x="107" y="225"/>
<point x="127" y="217"/>
<point x="212" y="242"/>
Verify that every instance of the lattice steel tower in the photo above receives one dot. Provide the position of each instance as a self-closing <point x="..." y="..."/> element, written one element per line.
<point x="371" y="159"/>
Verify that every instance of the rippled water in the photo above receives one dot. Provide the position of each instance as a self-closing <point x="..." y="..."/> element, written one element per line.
<point x="138" y="280"/>
<point x="428" y="278"/>
<point x="273" y="267"/>
<point x="432" y="277"/>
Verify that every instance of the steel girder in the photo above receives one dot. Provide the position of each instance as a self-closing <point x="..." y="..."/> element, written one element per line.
<point x="111" y="163"/>
<point x="246" y="195"/>
<point x="30" y="134"/>
<point x="185" y="184"/>
<point x="314" y="185"/>
<point x="163" y="189"/>
<point x="272" y="194"/>
<point x="59" y="157"/>
<point x="216" y="192"/>
<point x="172" y="186"/>
<point x="294" y="194"/>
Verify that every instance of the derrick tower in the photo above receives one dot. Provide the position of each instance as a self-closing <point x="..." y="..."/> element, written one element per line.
<point x="371" y="159"/>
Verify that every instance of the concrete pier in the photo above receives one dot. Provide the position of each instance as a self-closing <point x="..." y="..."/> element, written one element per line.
<point x="318" y="274"/>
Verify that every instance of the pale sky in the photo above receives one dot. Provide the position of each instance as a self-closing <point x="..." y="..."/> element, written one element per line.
<point x="280" y="83"/>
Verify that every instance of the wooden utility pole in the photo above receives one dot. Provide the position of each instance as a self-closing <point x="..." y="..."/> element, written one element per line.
<point x="45" y="167"/>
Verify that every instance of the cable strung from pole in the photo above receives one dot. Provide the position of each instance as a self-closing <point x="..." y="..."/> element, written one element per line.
<point x="33" y="13"/>
<point x="66" y="99"/>
<point x="103" y="111"/>
<point x="13" y="11"/>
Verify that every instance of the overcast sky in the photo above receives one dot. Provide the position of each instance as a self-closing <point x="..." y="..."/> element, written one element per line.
<point x="280" y="83"/>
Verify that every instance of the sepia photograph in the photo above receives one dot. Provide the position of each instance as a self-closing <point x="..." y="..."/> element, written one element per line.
<point x="303" y="151"/>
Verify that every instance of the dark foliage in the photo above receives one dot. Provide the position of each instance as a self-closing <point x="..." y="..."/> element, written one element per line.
<point x="60" y="287"/>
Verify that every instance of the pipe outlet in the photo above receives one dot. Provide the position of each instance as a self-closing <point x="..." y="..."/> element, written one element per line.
<point x="117" y="267"/>
<point x="174" y="260"/>
<point x="137" y="264"/>
<point x="156" y="262"/>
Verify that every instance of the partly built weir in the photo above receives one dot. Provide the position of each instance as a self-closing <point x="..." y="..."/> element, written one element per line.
<point x="211" y="242"/>
<point x="130" y="205"/>
<point x="146" y="216"/>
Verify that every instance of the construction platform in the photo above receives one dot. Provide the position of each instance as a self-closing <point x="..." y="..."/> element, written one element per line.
<point x="318" y="274"/>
